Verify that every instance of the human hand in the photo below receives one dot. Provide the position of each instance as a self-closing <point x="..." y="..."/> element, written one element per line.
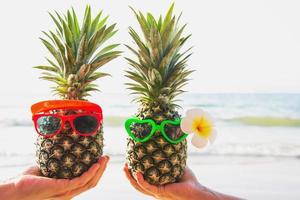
<point x="32" y="186"/>
<point x="187" y="188"/>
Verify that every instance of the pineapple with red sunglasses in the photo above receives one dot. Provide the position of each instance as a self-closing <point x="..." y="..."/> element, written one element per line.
<point x="70" y="130"/>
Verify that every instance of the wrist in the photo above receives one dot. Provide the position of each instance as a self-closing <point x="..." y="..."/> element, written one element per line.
<point x="208" y="194"/>
<point x="205" y="193"/>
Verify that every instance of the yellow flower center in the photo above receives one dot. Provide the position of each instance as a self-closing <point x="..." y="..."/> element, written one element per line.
<point x="202" y="127"/>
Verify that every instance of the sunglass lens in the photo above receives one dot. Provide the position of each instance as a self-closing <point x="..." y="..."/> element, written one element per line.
<point x="48" y="125"/>
<point x="141" y="130"/>
<point x="174" y="132"/>
<point x="86" y="124"/>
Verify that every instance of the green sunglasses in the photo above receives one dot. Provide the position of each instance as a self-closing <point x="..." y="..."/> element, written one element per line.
<point x="129" y="123"/>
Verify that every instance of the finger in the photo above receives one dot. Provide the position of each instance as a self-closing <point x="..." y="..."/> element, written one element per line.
<point x="133" y="181"/>
<point x="86" y="176"/>
<point x="188" y="175"/>
<point x="92" y="183"/>
<point x="154" y="190"/>
<point x="34" y="170"/>
<point x="103" y="164"/>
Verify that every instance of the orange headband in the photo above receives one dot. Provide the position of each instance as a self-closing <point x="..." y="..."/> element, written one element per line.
<point x="64" y="104"/>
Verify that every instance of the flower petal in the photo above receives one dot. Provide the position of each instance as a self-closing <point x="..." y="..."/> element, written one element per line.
<point x="213" y="136"/>
<point x="186" y="125"/>
<point x="195" y="112"/>
<point x="199" y="142"/>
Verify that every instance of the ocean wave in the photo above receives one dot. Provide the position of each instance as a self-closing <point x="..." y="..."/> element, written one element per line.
<point x="267" y="121"/>
<point x="207" y="105"/>
<point x="15" y="122"/>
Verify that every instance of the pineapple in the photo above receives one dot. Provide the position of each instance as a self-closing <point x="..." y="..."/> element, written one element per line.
<point x="157" y="77"/>
<point x="76" y="58"/>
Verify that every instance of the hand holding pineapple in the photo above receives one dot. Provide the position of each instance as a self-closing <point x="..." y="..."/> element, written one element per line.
<point x="32" y="186"/>
<point x="187" y="188"/>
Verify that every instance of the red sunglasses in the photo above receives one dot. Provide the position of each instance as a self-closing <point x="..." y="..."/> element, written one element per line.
<point x="49" y="125"/>
<point x="85" y="124"/>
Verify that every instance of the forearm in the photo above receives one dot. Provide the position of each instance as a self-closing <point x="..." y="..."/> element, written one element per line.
<point x="7" y="191"/>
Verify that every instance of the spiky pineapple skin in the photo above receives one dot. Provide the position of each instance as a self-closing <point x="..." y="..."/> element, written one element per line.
<point x="159" y="161"/>
<point x="68" y="155"/>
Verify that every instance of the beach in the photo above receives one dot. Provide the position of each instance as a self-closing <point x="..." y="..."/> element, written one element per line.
<point x="250" y="160"/>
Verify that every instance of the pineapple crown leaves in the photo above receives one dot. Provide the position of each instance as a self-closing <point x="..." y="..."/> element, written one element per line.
<point x="160" y="71"/>
<point x="77" y="53"/>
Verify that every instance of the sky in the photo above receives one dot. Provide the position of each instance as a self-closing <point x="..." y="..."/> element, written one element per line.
<point x="239" y="46"/>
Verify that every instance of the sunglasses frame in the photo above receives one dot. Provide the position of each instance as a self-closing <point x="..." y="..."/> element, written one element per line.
<point x="70" y="119"/>
<point x="155" y="127"/>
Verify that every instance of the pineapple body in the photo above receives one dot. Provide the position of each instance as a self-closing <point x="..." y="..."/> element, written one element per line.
<point x="159" y="161"/>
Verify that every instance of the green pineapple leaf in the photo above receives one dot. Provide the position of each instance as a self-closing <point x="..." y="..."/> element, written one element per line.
<point x="78" y="52"/>
<point x="159" y="71"/>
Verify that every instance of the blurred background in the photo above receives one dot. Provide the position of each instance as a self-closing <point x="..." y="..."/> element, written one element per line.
<point x="246" y="54"/>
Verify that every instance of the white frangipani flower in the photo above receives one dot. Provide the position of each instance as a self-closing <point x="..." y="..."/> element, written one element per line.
<point x="201" y="124"/>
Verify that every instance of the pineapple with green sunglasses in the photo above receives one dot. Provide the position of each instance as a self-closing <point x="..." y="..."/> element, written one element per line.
<point x="156" y="145"/>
